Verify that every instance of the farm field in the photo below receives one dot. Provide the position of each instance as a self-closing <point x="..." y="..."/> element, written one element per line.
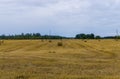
<point x="75" y="59"/>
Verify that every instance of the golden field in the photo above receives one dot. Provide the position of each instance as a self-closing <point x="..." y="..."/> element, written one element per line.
<point x="76" y="59"/>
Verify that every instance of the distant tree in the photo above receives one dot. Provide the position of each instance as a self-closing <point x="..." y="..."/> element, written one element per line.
<point x="92" y="36"/>
<point x="85" y="36"/>
<point x="80" y="36"/>
<point x="3" y="37"/>
<point x="97" y="37"/>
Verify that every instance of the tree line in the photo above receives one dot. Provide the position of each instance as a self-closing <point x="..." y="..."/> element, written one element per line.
<point x="30" y="36"/>
<point x="87" y="36"/>
<point x="39" y="36"/>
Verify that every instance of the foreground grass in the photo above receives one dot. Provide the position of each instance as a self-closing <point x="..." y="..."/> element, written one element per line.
<point x="76" y="59"/>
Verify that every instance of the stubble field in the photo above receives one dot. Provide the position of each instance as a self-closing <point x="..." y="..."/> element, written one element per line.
<point x="74" y="59"/>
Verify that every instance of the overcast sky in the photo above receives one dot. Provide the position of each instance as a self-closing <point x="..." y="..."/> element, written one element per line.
<point x="62" y="17"/>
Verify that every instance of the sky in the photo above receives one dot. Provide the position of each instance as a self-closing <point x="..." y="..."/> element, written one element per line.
<point x="61" y="17"/>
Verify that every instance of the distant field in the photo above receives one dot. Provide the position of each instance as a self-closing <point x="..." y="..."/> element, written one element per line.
<point x="75" y="59"/>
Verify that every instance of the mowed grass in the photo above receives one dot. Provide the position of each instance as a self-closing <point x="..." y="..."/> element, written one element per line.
<point x="75" y="59"/>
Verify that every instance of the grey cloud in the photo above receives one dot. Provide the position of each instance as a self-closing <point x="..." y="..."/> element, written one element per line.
<point x="77" y="15"/>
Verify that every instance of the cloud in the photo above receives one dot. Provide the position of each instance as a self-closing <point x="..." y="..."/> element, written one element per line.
<point x="100" y="17"/>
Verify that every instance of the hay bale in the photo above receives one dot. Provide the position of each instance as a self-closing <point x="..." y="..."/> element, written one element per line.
<point x="59" y="44"/>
